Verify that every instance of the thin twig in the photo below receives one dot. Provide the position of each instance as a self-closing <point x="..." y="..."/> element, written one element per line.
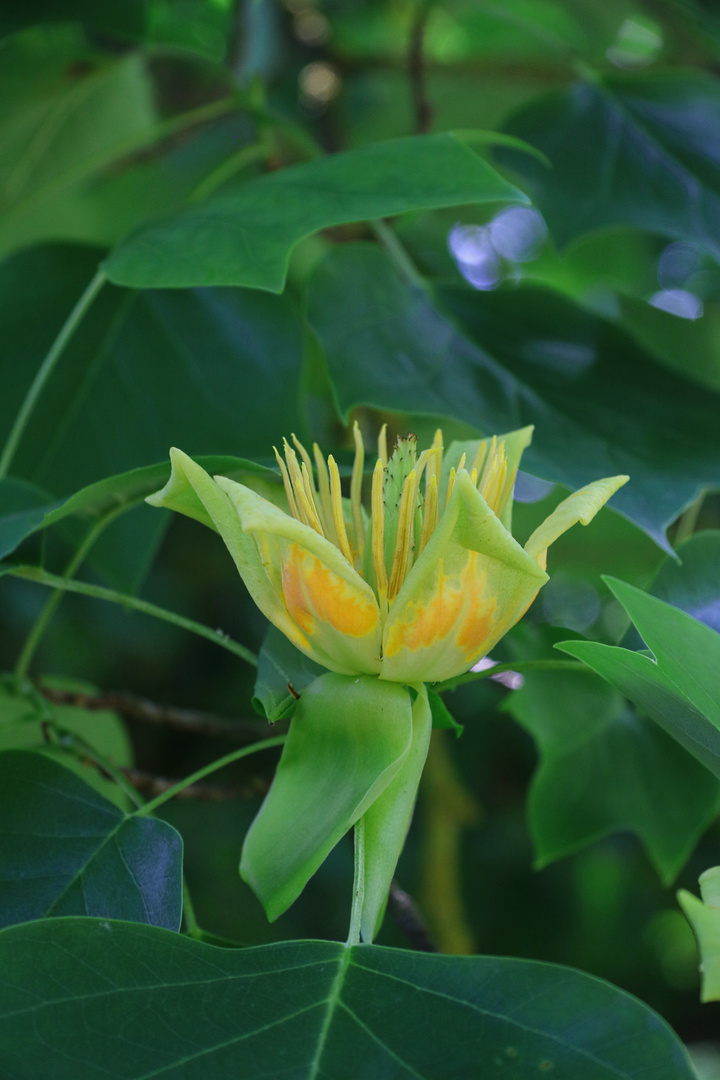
<point x="245" y="730"/>
<point x="409" y="920"/>
<point x="416" y="70"/>
<point x="151" y="785"/>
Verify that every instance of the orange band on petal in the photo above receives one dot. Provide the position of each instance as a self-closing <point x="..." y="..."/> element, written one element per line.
<point x="427" y="623"/>
<point x="480" y="619"/>
<point x="315" y="594"/>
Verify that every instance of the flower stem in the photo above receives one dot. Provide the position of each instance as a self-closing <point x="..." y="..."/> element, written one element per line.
<point x="46" y="369"/>
<point x="513" y="665"/>
<point x="228" y="759"/>
<point x="192" y="927"/>
<point x="397" y="253"/>
<point x="358" y="897"/>
<point x="42" y="577"/>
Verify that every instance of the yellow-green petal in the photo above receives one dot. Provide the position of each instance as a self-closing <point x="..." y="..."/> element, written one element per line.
<point x="471" y="583"/>
<point x="581" y="506"/>
<point x="334" y="610"/>
<point x="516" y="442"/>
<point x="191" y="491"/>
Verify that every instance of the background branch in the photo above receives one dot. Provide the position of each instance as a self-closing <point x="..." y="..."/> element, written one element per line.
<point x="243" y="730"/>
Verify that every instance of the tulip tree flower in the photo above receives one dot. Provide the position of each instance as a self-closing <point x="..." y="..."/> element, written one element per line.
<point x="415" y="591"/>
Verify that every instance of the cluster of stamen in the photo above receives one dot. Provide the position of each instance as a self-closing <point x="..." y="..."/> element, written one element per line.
<point x="402" y="517"/>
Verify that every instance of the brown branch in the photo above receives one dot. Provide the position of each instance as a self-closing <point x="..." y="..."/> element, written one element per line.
<point x="416" y="70"/>
<point x="409" y="920"/>
<point x="151" y="785"/>
<point x="147" y="712"/>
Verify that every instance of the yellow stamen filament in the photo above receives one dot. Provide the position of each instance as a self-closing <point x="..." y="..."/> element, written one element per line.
<point x="451" y="485"/>
<point x="402" y="554"/>
<point x="307" y="462"/>
<point x="479" y="459"/>
<point x="337" y="510"/>
<point x="473" y="477"/>
<point x="309" y="505"/>
<point x="324" y="496"/>
<point x="435" y="464"/>
<point x="297" y="482"/>
<point x="495" y="484"/>
<point x="377" y="535"/>
<point x="356" y="490"/>
<point x="430" y="512"/>
<point x="489" y="460"/>
<point x="506" y="492"/>
<point x="287" y="485"/>
<point x="382" y="445"/>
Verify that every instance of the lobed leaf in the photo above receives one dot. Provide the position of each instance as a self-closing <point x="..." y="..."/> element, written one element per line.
<point x="137" y="1001"/>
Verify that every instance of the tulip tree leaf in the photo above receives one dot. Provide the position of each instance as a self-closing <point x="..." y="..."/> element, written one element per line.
<point x="680" y="688"/>
<point x="500" y="361"/>
<point x="136" y="380"/>
<point x="67" y="851"/>
<point x="605" y="769"/>
<point x="650" y="137"/>
<point x="67" y="114"/>
<point x="244" y="236"/>
<point x="280" y="667"/>
<point x="80" y="996"/>
<point x="691" y="582"/>
<point x="704" y="917"/>
<point x="95" y="500"/>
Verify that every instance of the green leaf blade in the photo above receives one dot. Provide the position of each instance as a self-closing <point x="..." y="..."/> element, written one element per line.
<point x="245" y="236"/>
<point x="649" y="136"/>
<point x="134" y="1001"/>
<point x="503" y="360"/>
<point x="65" y="850"/>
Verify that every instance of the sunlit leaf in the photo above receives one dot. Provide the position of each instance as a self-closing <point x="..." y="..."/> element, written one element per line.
<point x="244" y="236"/>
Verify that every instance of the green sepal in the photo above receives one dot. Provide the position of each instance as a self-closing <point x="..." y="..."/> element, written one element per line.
<point x="442" y="718"/>
<point x="704" y="917"/>
<point x="348" y="739"/>
<point x="388" y="819"/>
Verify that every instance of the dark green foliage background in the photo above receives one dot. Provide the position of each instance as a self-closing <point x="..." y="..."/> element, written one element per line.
<point x="279" y="263"/>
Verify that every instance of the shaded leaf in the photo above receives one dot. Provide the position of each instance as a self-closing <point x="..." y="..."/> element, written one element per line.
<point x="679" y="688"/>
<point x="133" y="1001"/>
<point x="137" y="379"/>
<point x="524" y="356"/>
<point x="67" y="114"/>
<point x="22" y="509"/>
<point x="633" y="150"/>
<point x="281" y="666"/>
<point x="95" y="500"/>
<point x="67" y="851"/>
<point x="604" y="769"/>
<point x="691" y="582"/>
<point x="244" y="236"/>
